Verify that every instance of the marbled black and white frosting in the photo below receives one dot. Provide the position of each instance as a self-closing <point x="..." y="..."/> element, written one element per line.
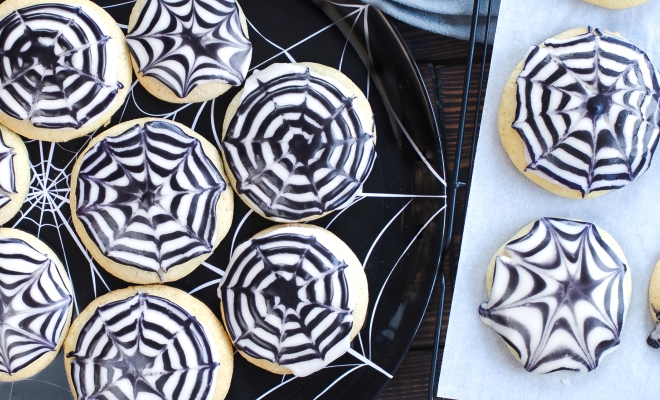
<point x="7" y="173"/>
<point x="285" y="299"/>
<point x="588" y="111"/>
<point x="557" y="297"/>
<point x="186" y="43"/>
<point x="296" y="145"/>
<point x="57" y="66"/>
<point x="34" y="305"/>
<point x="143" y="347"/>
<point x="147" y="197"/>
<point x="654" y="337"/>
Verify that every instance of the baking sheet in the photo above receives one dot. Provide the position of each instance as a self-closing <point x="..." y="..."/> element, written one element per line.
<point x="476" y="363"/>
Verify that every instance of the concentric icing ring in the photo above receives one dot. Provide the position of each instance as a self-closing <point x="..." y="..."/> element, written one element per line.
<point x="285" y="299"/>
<point x="34" y="305"/>
<point x="143" y="346"/>
<point x="194" y="42"/>
<point x="588" y="111"/>
<point x="53" y="67"/>
<point x="558" y="296"/>
<point x="147" y="197"/>
<point x="296" y="145"/>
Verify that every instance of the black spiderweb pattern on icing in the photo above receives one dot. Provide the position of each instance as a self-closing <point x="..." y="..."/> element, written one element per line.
<point x="142" y="347"/>
<point x="34" y="304"/>
<point x="53" y="65"/>
<point x="575" y="296"/>
<point x="298" y="298"/>
<point x="148" y="197"/>
<point x="203" y="38"/>
<point x="292" y="161"/>
<point x="596" y="124"/>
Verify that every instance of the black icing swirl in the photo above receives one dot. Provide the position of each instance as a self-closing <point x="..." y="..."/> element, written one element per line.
<point x="34" y="305"/>
<point x="7" y="173"/>
<point x="297" y="147"/>
<point x="558" y="296"/>
<point x="285" y="298"/>
<point x="198" y="41"/>
<point x="142" y="347"/>
<point x="588" y="111"/>
<point x="148" y="197"/>
<point x="53" y="66"/>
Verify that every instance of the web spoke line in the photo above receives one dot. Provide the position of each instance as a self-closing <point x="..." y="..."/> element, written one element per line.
<point x="382" y="289"/>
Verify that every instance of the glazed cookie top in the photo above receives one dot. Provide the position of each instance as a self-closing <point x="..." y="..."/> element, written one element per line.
<point x="285" y="299"/>
<point x="296" y="146"/>
<point x="557" y="296"/>
<point x="187" y="43"/>
<point x="143" y="346"/>
<point x="588" y="111"/>
<point x="7" y="173"/>
<point x="57" y="69"/>
<point x="34" y="305"/>
<point x="147" y="197"/>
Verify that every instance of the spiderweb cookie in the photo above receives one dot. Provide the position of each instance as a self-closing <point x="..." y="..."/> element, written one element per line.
<point x="293" y="297"/>
<point x="64" y="68"/>
<point x="298" y="141"/>
<point x="558" y="292"/>
<point x="150" y="200"/>
<point x="579" y="115"/>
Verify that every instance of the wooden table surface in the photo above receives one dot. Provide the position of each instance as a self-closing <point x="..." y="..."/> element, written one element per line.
<point x="442" y="62"/>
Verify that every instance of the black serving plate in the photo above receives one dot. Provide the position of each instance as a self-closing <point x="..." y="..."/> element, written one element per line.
<point x="395" y="227"/>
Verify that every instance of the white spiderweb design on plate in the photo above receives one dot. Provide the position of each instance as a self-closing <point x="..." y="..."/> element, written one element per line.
<point x="588" y="111"/>
<point x="142" y="347"/>
<point x="52" y="64"/>
<point x="148" y="197"/>
<point x="194" y="42"/>
<point x="34" y="303"/>
<point x="46" y="212"/>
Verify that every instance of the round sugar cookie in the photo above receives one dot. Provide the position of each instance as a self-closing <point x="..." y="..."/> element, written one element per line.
<point x="617" y="4"/>
<point x="35" y="304"/>
<point x="14" y="174"/>
<point x="150" y="200"/>
<point x="552" y="273"/>
<point x="298" y="141"/>
<point x="84" y="74"/>
<point x="289" y="279"/>
<point x="200" y="53"/>
<point x="653" y="339"/>
<point x="155" y="340"/>
<point x="576" y="126"/>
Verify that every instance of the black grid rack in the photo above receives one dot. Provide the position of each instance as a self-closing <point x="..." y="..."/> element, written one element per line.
<point x="454" y="182"/>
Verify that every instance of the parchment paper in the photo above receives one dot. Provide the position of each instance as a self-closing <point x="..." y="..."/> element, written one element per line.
<point x="476" y="363"/>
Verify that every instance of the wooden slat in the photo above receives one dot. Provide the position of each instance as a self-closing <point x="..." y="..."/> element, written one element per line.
<point x="441" y="62"/>
<point x="411" y="379"/>
<point x="427" y="47"/>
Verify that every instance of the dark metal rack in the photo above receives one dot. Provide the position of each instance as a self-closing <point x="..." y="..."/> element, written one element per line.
<point x="455" y="183"/>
